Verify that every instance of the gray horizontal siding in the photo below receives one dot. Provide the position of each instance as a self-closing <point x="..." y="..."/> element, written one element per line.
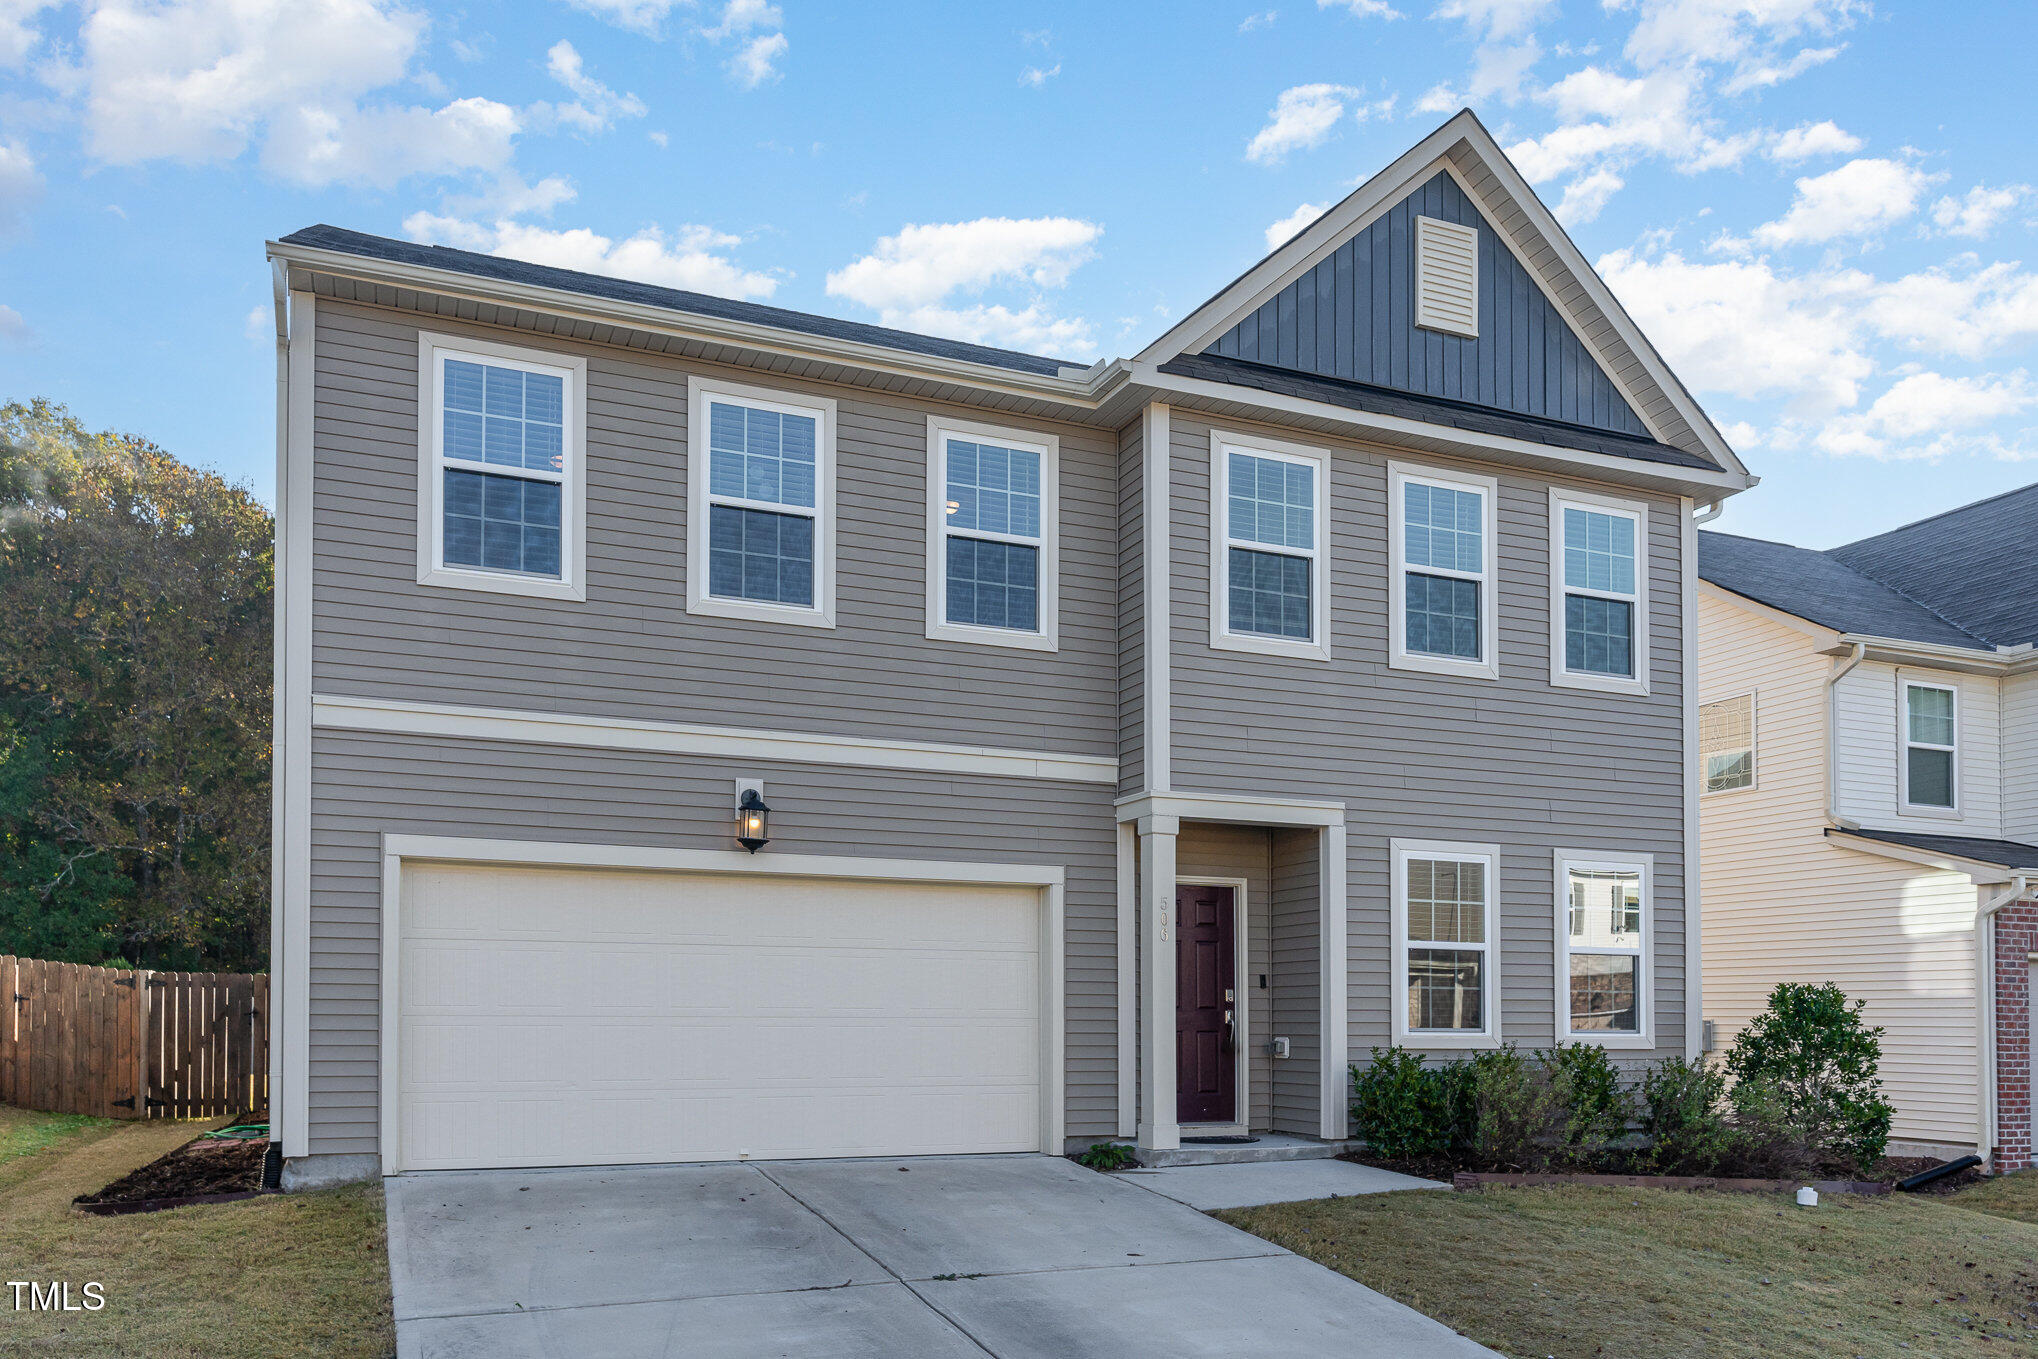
<point x="368" y="785"/>
<point x="1296" y="943"/>
<point x="1516" y="762"/>
<point x="632" y="650"/>
<point x="1353" y="316"/>
<point x="1131" y="610"/>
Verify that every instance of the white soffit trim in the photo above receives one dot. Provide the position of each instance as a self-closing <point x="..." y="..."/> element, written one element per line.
<point x="1244" y="808"/>
<point x="674" y="738"/>
<point x="1986" y="874"/>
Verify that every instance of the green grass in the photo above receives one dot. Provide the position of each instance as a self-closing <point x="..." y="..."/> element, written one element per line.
<point x="1656" y="1274"/>
<point x="288" y="1276"/>
<point x="24" y="1132"/>
<point x="2012" y="1196"/>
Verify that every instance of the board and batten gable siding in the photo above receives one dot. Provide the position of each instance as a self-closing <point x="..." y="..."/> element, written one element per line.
<point x="2019" y="702"/>
<point x="631" y="649"/>
<point x="1131" y="610"/>
<point x="1784" y="903"/>
<point x="1518" y="762"/>
<point x="1352" y="316"/>
<point x="369" y="785"/>
<point x="1870" y="751"/>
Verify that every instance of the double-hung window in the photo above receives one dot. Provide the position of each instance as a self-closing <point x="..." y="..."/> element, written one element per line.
<point x="1446" y="921"/>
<point x="1267" y="548"/>
<point x="1440" y="597"/>
<point x="1930" y="767"/>
<point x="760" y="504"/>
<point x="992" y="535"/>
<point x="1726" y="743"/>
<point x="1604" y="972"/>
<point x="500" y="468"/>
<point x="1599" y="593"/>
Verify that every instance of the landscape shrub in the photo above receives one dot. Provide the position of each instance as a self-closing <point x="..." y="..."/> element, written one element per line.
<point x="1403" y="1110"/>
<point x="1685" y="1114"/>
<point x="1806" y="1070"/>
<point x="1107" y="1156"/>
<point x="1598" y="1105"/>
<point x="1522" y="1111"/>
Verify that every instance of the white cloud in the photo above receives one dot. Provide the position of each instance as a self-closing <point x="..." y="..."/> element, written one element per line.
<point x="755" y="61"/>
<point x="1929" y="415"/>
<point x="1587" y="195"/>
<point x="260" y="322"/>
<point x="909" y="278"/>
<point x="1363" y="9"/>
<point x="1808" y="140"/>
<point x="19" y="35"/>
<point x="1440" y="98"/>
<point x="1980" y="212"/>
<point x="1861" y="197"/>
<point x="1751" y="38"/>
<point x="1496" y="19"/>
<point x="645" y="16"/>
<point x="13" y="329"/>
<point x="595" y="106"/>
<point x="20" y="185"/>
<point x="1281" y="232"/>
<point x="1259" y="20"/>
<point x="1302" y="117"/>
<point x="744" y="16"/>
<point x="1962" y="308"/>
<point x="381" y="146"/>
<point x="1035" y="77"/>
<point x="690" y="257"/>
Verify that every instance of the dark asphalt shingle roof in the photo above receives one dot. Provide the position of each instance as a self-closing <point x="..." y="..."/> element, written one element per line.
<point x="1813" y="585"/>
<point x="672" y="299"/>
<point x="1365" y="396"/>
<point x="2002" y="853"/>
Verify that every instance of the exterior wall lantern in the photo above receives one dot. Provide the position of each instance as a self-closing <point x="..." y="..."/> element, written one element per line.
<point x="753" y="819"/>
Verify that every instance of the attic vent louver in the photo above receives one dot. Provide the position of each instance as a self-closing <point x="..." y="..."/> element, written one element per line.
<point x="1446" y="277"/>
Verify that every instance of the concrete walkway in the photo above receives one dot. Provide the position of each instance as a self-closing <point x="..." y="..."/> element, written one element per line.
<point x="909" y="1259"/>
<point x="1248" y="1186"/>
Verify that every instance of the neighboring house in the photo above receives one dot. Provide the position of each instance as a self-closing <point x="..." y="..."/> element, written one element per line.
<point x="1869" y="720"/>
<point x="1139" y="741"/>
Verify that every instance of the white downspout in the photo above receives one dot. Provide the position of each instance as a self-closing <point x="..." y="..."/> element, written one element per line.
<point x="279" y="274"/>
<point x="1985" y="1011"/>
<point x="1833" y="739"/>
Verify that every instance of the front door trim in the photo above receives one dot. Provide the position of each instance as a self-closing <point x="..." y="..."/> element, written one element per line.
<point x="1241" y="953"/>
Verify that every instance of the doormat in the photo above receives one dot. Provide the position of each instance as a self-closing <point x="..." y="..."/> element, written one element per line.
<point x="1218" y="1141"/>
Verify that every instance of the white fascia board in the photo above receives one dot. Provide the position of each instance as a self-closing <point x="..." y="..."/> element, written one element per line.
<point x="1985" y="874"/>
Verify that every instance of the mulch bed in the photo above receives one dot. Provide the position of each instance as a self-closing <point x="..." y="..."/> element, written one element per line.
<point x="1883" y="1175"/>
<point x="202" y="1171"/>
<point x="1466" y="1179"/>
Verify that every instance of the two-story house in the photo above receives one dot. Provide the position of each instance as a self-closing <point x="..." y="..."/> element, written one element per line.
<point x="1869" y="726"/>
<point x="710" y="731"/>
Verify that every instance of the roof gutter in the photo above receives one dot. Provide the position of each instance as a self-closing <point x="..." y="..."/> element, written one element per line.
<point x="1833" y="739"/>
<point x="1985" y="1011"/>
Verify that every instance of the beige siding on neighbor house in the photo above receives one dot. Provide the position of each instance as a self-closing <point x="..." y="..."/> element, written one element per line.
<point x="1870" y="750"/>
<point x="1783" y="903"/>
<point x="2020" y="758"/>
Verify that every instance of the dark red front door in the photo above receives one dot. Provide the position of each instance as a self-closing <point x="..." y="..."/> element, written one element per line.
<point x="1206" y="982"/>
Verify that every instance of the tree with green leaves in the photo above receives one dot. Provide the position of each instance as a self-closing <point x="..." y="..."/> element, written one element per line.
<point x="1812" y="1058"/>
<point x="135" y="598"/>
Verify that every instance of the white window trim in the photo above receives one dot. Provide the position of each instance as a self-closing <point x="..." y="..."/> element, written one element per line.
<point x="1399" y="657"/>
<point x="699" y="392"/>
<point x="1754" y="744"/>
<point x="1488" y="855"/>
<point x="1635" y="510"/>
<point x="1588" y="860"/>
<point x="1043" y="638"/>
<point x="1317" y="648"/>
<point x="432" y="465"/>
<point x="1905" y="681"/>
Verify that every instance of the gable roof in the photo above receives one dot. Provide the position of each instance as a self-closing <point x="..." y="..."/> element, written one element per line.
<point x="1977" y="565"/>
<point x="1466" y="151"/>
<point x="1821" y="589"/>
<point x="506" y="270"/>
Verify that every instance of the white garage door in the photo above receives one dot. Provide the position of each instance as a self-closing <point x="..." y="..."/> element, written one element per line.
<point x="565" y="1017"/>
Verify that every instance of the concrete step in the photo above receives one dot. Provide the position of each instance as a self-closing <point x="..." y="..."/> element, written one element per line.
<point x="1270" y="1147"/>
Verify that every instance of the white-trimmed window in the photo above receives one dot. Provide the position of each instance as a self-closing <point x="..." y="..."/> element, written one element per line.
<point x="1726" y="743"/>
<point x="760" y="503"/>
<point x="1599" y="593"/>
<point x="992" y="534"/>
<point x="501" y="463"/>
<point x="1441" y="605"/>
<point x="1446" y="921"/>
<point x="1267" y="547"/>
<point x="1929" y="766"/>
<point x="1604" y="973"/>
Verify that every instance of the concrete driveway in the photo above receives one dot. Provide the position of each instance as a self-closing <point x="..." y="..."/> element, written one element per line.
<point x="965" y="1256"/>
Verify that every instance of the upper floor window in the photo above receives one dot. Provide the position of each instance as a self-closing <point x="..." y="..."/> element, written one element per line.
<point x="1267" y="548"/>
<point x="1445" y="921"/>
<point x="1930" y="769"/>
<point x="1441" y="526"/>
<point x="1726" y="743"/>
<point x="500" y="473"/>
<point x="760" y="504"/>
<point x="1599" y="623"/>
<point x="1603" y="967"/>
<point x="992" y="535"/>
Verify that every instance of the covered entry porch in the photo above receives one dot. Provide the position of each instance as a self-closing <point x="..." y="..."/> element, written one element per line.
<point x="1232" y="974"/>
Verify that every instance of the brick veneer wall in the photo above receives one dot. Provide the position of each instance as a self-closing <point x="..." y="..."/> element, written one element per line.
<point x="2016" y="940"/>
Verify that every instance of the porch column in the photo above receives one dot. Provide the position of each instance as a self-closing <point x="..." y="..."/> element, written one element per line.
<point x="1158" y="1128"/>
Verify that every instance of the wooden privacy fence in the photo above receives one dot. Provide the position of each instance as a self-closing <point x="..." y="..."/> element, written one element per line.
<point x="132" y="1044"/>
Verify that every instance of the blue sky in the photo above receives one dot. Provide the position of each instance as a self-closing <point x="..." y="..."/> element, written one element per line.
<point x="1820" y="210"/>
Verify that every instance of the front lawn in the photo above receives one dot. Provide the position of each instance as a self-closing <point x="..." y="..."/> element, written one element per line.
<point x="289" y="1275"/>
<point x="1570" y="1272"/>
<point x="2012" y="1196"/>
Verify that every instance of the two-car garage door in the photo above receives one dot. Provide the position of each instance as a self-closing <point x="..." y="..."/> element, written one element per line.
<point x="572" y="1017"/>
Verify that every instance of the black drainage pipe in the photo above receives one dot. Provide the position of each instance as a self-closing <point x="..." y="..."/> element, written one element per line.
<point x="272" y="1166"/>
<point x="1925" y="1177"/>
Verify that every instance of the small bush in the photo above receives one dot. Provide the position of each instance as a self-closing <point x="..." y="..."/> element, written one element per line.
<point x="1806" y="1069"/>
<point x="1684" y="1112"/>
<point x="1521" y="1109"/>
<point x="1599" y="1107"/>
<point x="1404" y="1110"/>
<point x="1107" y="1156"/>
